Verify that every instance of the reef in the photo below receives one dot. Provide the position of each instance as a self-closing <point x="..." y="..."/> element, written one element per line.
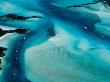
<point x="54" y="40"/>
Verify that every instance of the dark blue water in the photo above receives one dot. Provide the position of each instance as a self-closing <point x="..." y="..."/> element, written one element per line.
<point x="63" y="45"/>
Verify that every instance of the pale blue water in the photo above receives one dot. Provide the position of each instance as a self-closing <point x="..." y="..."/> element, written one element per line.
<point x="65" y="45"/>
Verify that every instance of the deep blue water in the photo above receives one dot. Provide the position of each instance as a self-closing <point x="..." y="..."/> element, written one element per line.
<point x="64" y="43"/>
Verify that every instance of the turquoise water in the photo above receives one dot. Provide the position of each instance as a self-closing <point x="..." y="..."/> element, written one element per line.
<point x="64" y="45"/>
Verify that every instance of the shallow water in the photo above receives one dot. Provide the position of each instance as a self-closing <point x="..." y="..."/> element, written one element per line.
<point x="64" y="43"/>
